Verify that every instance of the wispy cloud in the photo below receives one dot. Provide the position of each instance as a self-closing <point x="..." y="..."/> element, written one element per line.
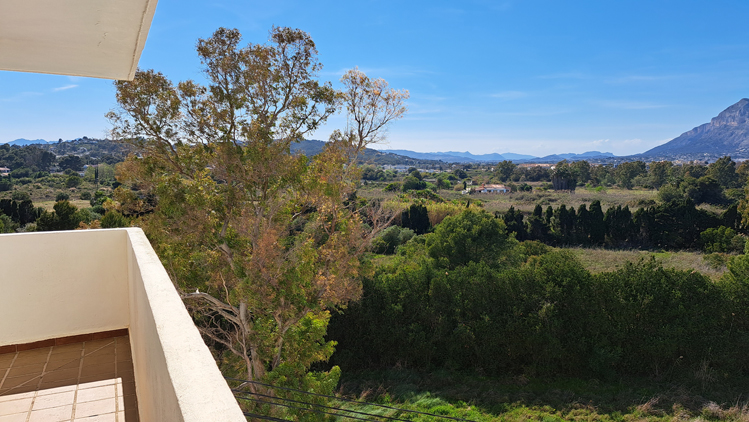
<point x="628" y="105"/>
<point x="509" y="95"/>
<point x="21" y="96"/>
<point x="564" y="75"/>
<point x="626" y="79"/>
<point x="382" y="72"/>
<point x="64" y="88"/>
<point x="532" y="113"/>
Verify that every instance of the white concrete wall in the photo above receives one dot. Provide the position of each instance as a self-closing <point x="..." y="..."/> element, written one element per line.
<point x="176" y="369"/>
<point x="57" y="284"/>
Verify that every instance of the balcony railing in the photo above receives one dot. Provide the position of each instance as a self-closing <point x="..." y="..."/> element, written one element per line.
<point x="57" y="285"/>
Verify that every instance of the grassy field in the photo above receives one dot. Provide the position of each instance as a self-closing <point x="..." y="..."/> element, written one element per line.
<point x="600" y="260"/>
<point x="478" y="398"/>
<point x="526" y="201"/>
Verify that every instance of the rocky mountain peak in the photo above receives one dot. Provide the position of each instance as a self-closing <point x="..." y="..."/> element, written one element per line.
<point x="734" y="115"/>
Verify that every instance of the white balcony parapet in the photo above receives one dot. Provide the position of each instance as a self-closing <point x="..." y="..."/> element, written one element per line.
<point x="59" y="284"/>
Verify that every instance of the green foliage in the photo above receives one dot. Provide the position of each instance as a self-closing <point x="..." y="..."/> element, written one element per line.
<point x="546" y="317"/>
<point x="504" y="169"/>
<point x="390" y="238"/>
<point x="71" y="162"/>
<point x="85" y="196"/>
<point x="7" y="225"/>
<point x="668" y="193"/>
<point x="20" y="196"/>
<point x="20" y="212"/>
<point x="62" y="196"/>
<point x="410" y="182"/>
<point x="6" y="184"/>
<point x="392" y="187"/>
<point x="721" y="239"/>
<point x="64" y="217"/>
<point x="472" y="236"/>
<point x="73" y="181"/>
<point x="416" y="218"/>
<point x="113" y="219"/>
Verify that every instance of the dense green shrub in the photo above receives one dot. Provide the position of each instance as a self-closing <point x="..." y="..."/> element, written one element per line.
<point x="468" y="297"/>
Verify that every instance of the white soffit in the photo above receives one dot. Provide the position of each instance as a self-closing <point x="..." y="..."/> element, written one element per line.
<point x="96" y="38"/>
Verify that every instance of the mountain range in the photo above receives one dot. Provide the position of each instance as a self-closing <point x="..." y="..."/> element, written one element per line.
<point x="725" y="134"/>
<point x="21" y="142"/>
<point x="467" y="157"/>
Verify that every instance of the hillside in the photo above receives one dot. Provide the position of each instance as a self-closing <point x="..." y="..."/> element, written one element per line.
<point x="726" y="134"/>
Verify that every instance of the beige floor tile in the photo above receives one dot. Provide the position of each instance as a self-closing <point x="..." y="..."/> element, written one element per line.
<point x="54" y="400"/>
<point x="55" y="414"/>
<point x="98" y="393"/>
<point x="15" y="406"/>
<point x="51" y="385"/>
<point x="11" y="397"/>
<point x="109" y="417"/>
<point x="18" y="417"/>
<point x="97" y="383"/>
<point x="55" y="390"/>
<point x="93" y="408"/>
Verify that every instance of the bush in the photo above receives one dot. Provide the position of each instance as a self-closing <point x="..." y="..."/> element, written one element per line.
<point x="86" y="196"/>
<point x="721" y="239"/>
<point x="73" y="181"/>
<point x="62" y="196"/>
<point x="113" y="219"/>
<point x="392" y="187"/>
<point x="390" y="239"/>
<point x="20" y="196"/>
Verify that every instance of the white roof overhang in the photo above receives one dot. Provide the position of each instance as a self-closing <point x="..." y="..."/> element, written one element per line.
<point x="95" y="38"/>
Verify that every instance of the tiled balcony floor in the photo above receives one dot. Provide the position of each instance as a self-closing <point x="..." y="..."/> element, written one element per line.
<point x="91" y="381"/>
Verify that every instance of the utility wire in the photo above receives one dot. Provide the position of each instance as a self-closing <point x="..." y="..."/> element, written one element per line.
<point x="318" y="405"/>
<point x="304" y="408"/>
<point x="267" y="418"/>
<point x="347" y="400"/>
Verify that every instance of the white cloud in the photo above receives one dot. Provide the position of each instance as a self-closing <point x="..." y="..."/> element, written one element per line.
<point x="629" y="105"/>
<point x="509" y="95"/>
<point x="64" y="88"/>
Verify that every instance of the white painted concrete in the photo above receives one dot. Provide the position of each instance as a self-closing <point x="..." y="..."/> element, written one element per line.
<point x="102" y="39"/>
<point x="56" y="284"/>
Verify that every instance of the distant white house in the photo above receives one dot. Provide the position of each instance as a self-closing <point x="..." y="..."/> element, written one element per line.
<point x="4" y="171"/>
<point x="492" y="189"/>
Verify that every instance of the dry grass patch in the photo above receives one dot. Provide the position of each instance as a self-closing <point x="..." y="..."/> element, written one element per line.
<point x="597" y="260"/>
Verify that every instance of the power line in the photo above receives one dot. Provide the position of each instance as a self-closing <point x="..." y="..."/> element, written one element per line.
<point x="267" y="418"/>
<point x="315" y="404"/>
<point x="304" y="408"/>
<point x="347" y="400"/>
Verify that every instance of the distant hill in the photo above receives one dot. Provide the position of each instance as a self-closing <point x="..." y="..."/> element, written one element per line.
<point x="467" y="157"/>
<point x="726" y="134"/>
<point x="21" y="142"/>
<point x="311" y="147"/>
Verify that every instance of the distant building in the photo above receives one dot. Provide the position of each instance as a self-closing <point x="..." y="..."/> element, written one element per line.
<point x="492" y="189"/>
<point x="4" y="171"/>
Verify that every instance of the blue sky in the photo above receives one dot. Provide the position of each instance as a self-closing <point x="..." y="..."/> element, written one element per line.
<point x="534" y="77"/>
